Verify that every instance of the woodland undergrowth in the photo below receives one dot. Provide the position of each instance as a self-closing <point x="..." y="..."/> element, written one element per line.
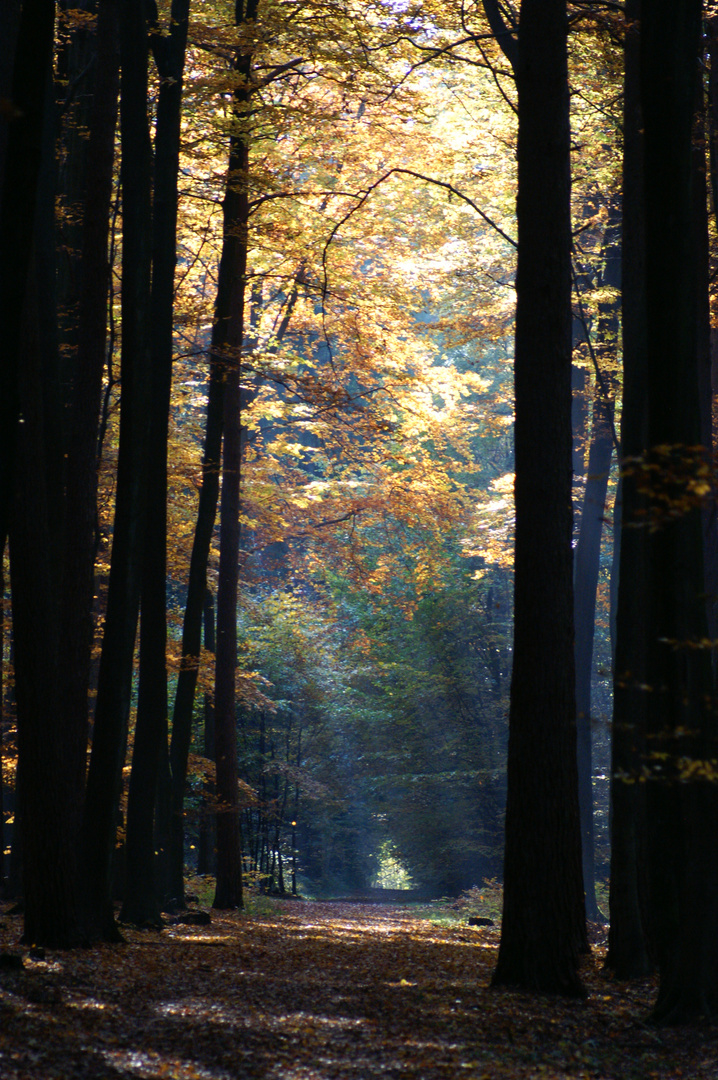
<point x="304" y="990"/>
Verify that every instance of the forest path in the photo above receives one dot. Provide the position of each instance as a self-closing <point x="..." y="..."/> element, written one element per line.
<point x="312" y="991"/>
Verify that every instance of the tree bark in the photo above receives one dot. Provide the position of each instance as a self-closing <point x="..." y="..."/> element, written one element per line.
<point x="682" y="816"/>
<point x="229" y="840"/>
<point x="115" y="676"/>
<point x="31" y="73"/>
<point x="80" y="490"/>
<point x="543" y="930"/>
<point x="587" y="566"/>
<point x="141" y="902"/>
<point x="47" y="795"/>
<point x="587" y="558"/>
<point x="627" y="948"/>
<point x="207" y="842"/>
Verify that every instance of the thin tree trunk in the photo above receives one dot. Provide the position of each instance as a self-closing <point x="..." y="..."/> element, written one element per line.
<point x="587" y="566"/>
<point x="229" y="853"/>
<point x="703" y="328"/>
<point x="587" y="558"/>
<point x="206" y="514"/>
<point x="206" y="863"/>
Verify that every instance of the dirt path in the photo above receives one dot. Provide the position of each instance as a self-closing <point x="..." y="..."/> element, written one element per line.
<point x="320" y="992"/>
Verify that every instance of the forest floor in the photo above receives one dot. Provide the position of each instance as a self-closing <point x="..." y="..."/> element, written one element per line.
<point x="321" y="991"/>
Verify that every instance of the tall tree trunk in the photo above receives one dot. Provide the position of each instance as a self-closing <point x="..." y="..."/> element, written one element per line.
<point x="229" y="841"/>
<point x="587" y="558"/>
<point x="47" y="797"/>
<point x="3" y="796"/>
<point x="682" y="817"/>
<point x="543" y="930"/>
<point x="206" y="514"/>
<point x="700" y="169"/>
<point x="81" y="471"/>
<point x="229" y="853"/>
<point x="9" y="21"/>
<point x="115" y="676"/>
<point x="587" y="566"/>
<point x="141" y="902"/>
<point x="627" y="949"/>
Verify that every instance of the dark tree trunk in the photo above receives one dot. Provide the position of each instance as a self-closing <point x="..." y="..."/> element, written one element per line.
<point x="579" y="418"/>
<point x="51" y="796"/>
<point x="703" y="330"/>
<point x="627" y="951"/>
<point x="141" y="902"/>
<point x="682" y="817"/>
<point x="229" y="849"/>
<point x="206" y="514"/>
<point x="587" y="558"/>
<point x="587" y="566"/>
<point x="47" y="796"/>
<point x="3" y="797"/>
<point x="81" y="471"/>
<point x="206" y="862"/>
<point x="31" y="73"/>
<point x="543" y="930"/>
<point x="9" y="20"/>
<point x="115" y="676"/>
<point x="9" y="23"/>
<point x="77" y="66"/>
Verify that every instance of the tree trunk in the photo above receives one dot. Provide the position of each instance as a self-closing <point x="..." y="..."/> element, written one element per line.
<point x="587" y="566"/>
<point x="703" y="329"/>
<point x="47" y="795"/>
<point x="80" y="507"/>
<point x="196" y="588"/>
<point x="115" y="676"/>
<point x="31" y="73"/>
<point x="587" y="558"/>
<point x="627" y="951"/>
<point x="682" y="817"/>
<point x="229" y="853"/>
<point x="9" y="24"/>
<point x="50" y="795"/>
<point x="543" y="930"/>
<point x="206" y="862"/>
<point x="206" y="514"/>
<point x="141" y="902"/>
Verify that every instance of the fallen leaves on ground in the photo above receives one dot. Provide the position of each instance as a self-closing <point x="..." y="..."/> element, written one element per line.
<point x="314" y="991"/>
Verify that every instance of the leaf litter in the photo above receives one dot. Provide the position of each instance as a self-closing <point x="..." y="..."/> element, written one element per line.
<point x="322" y="991"/>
